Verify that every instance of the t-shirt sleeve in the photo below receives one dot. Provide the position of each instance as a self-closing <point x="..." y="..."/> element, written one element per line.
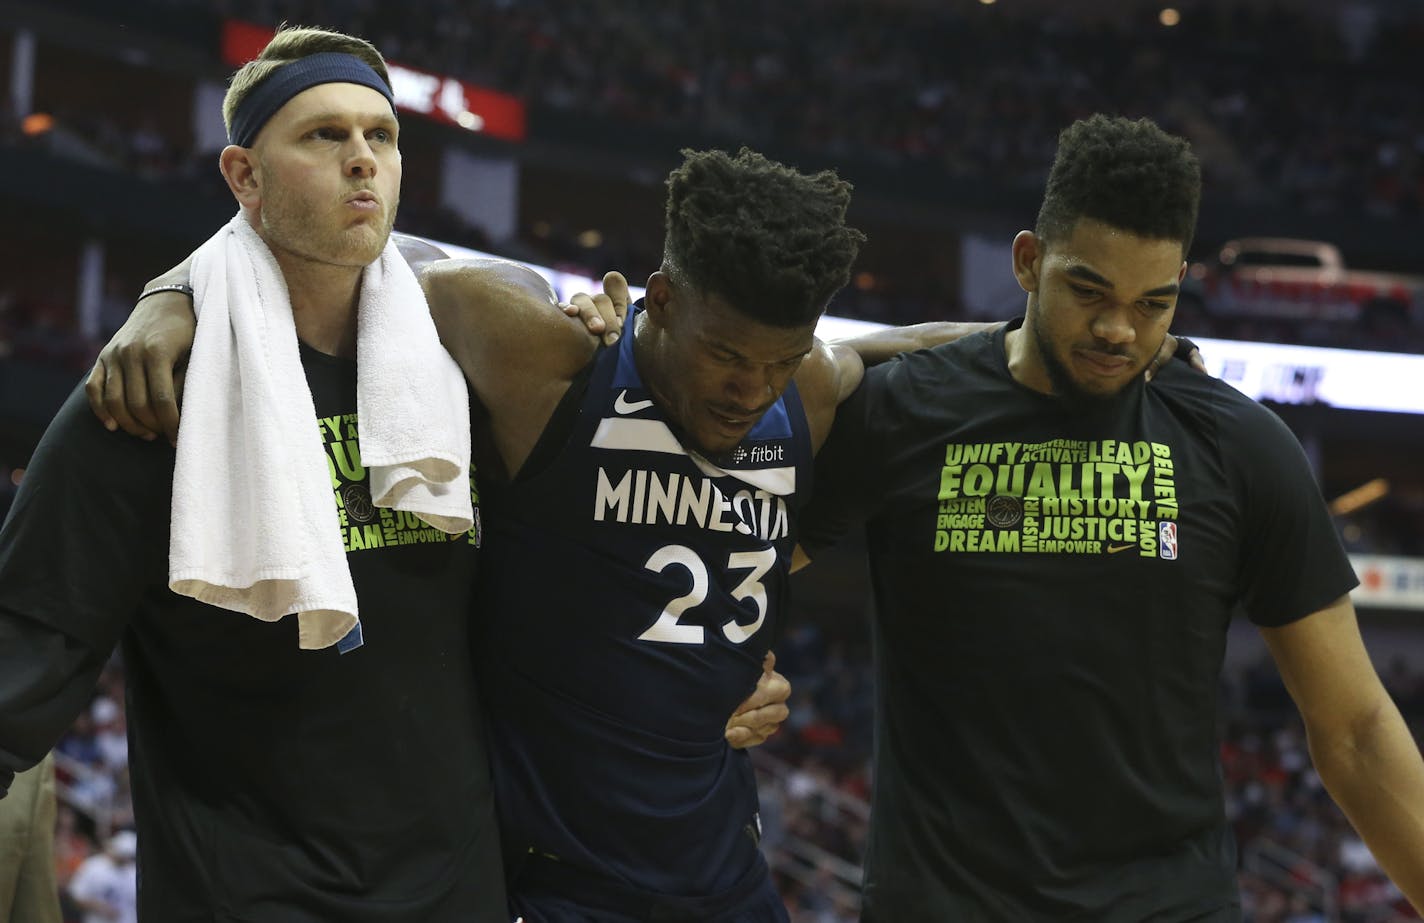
<point x="1292" y="561"/>
<point x="847" y="468"/>
<point x="86" y="538"/>
<point x="46" y="679"/>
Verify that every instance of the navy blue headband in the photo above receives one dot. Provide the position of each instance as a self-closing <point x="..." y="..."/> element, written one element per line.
<point x="273" y="93"/>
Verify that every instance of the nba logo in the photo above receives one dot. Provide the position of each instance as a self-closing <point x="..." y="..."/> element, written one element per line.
<point x="1167" y="532"/>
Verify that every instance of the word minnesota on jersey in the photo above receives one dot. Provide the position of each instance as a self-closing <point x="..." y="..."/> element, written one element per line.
<point x="642" y="497"/>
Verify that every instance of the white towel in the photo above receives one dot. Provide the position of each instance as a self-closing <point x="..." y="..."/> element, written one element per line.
<point x="255" y="525"/>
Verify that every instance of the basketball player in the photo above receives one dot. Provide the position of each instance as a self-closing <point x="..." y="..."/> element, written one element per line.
<point x="1056" y="551"/>
<point x="269" y="783"/>
<point x="667" y="472"/>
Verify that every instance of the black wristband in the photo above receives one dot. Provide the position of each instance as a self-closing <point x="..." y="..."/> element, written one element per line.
<point x="176" y="287"/>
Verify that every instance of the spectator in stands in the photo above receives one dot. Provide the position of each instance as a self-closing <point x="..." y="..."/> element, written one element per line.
<point x="105" y="887"/>
<point x="71" y="845"/>
<point x="111" y="733"/>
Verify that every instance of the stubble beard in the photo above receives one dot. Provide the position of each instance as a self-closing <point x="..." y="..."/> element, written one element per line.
<point x="287" y="223"/>
<point x="1073" y="396"/>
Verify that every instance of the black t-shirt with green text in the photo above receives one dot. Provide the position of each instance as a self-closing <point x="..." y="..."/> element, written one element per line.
<point x="1053" y="587"/>
<point x="271" y="784"/>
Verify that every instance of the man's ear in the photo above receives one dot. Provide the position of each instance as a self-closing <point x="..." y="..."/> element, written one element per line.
<point x="1028" y="259"/>
<point x="658" y="298"/>
<point x="239" y="167"/>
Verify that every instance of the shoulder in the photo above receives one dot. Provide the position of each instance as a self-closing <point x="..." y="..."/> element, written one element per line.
<point x="1217" y="408"/>
<point x="973" y="351"/>
<point x="827" y="376"/>
<point x="76" y="441"/>
<point x="98" y="483"/>
<point x="418" y="251"/>
<point x="88" y="532"/>
<point x="478" y="280"/>
<point x="1255" y="451"/>
<point x="935" y="377"/>
<point x="500" y="318"/>
<point x="945" y="361"/>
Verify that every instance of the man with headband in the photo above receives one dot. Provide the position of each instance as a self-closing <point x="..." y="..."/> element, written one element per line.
<point x="271" y="782"/>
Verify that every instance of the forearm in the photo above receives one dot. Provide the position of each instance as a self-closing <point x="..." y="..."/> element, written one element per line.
<point x="882" y="345"/>
<point x="1376" y="775"/>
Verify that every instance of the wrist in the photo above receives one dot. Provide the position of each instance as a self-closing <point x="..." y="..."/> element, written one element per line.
<point x="168" y="287"/>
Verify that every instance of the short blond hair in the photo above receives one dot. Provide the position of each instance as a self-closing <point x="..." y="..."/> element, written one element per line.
<point x="292" y="43"/>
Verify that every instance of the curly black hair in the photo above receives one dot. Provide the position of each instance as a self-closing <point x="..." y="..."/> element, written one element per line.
<point x="768" y="239"/>
<point x="1127" y="174"/>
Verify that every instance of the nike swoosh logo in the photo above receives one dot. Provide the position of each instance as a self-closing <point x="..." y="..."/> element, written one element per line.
<point x="621" y="404"/>
<point x="1114" y="549"/>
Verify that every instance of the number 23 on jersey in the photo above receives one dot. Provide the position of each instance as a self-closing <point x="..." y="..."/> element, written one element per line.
<point x="669" y="627"/>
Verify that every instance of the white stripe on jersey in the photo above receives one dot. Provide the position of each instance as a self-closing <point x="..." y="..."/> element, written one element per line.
<point x="655" y="436"/>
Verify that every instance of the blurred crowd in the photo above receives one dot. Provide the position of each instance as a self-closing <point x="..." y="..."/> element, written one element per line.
<point x="1288" y="107"/>
<point x="1286" y="103"/>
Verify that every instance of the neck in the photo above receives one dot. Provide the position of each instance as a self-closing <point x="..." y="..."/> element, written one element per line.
<point x="324" y="299"/>
<point x="1026" y="363"/>
<point x="648" y="360"/>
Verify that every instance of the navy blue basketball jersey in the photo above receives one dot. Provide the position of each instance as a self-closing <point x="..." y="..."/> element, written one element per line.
<point x="630" y="588"/>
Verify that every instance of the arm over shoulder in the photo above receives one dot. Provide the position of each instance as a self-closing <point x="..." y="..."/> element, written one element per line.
<point x="880" y="345"/>
<point x="517" y="350"/>
<point x="828" y="375"/>
<point x="418" y="251"/>
<point x="499" y="318"/>
<point x="847" y="468"/>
